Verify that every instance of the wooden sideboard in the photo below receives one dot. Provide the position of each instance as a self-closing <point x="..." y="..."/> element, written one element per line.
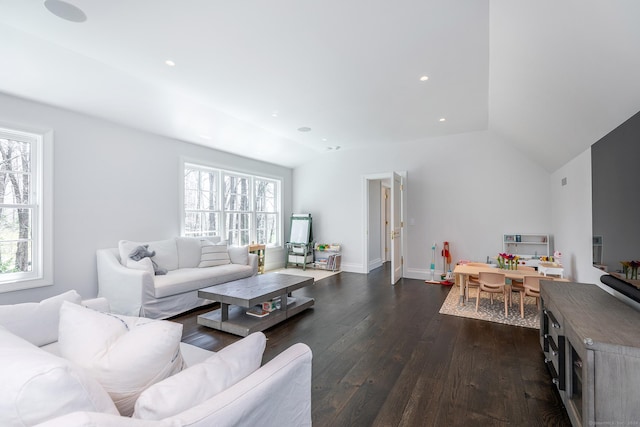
<point x="591" y="342"/>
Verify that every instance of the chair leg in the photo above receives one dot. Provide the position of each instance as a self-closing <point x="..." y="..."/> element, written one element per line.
<point x="478" y="300"/>
<point x="521" y="305"/>
<point x="506" y="306"/>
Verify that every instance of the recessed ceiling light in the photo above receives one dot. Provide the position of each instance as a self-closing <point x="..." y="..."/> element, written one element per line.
<point x="170" y="63"/>
<point x="274" y="114"/>
<point x="442" y="119"/>
<point x="324" y="139"/>
<point x="65" y="10"/>
<point x="304" y="129"/>
<point x="424" y="78"/>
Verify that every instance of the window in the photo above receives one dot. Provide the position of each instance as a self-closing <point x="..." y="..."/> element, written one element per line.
<point x="24" y="222"/>
<point x="239" y="208"/>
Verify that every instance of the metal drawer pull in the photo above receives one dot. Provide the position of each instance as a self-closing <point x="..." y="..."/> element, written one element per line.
<point x="554" y="321"/>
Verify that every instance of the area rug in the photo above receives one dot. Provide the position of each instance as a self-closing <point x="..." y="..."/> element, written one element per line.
<point x="309" y="272"/>
<point x="492" y="312"/>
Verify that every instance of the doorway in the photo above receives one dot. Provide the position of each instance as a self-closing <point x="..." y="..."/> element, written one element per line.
<point x="385" y="221"/>
<point x="377" y="237"/>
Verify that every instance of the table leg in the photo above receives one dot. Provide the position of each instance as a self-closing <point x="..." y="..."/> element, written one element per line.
<point x="224" y="312"/>
<point x="461" y="279"/>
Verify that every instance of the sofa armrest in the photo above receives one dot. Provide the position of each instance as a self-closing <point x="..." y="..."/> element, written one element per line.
<point x="98" y="304"/>
<point x="93" y="419"/>
<point x="280" y="392"/>
<point x="253" y="262"/>
<point x="121" y="286"/>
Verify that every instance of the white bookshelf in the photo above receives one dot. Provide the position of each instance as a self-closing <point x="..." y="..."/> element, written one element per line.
<point x="527" y="245"/>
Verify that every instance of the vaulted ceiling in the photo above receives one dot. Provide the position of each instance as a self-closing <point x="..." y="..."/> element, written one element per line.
<point x="252" y="77"/>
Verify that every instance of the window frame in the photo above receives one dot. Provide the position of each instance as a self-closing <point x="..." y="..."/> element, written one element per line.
<point x="41" y="203"/>
<point x="186" y="164"/>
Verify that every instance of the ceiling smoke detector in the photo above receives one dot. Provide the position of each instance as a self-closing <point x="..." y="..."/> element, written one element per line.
<point x="65" y="10"/>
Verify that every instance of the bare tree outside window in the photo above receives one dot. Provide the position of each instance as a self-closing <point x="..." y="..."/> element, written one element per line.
<point x="266" y="212"/>
<point x="201" y="203"/>
<point x="16" y="212"/>
<point x="239" y="208"/>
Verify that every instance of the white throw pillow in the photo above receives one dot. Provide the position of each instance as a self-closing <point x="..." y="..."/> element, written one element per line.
<point x="213" y="255"/>
<point x="37" y="386"/>
<point x="202" y="381"/>
<point x="125" y="354"/>
<point x="36" y="322"/>
<point x="144" y="264"/>
<point x="239" y="255"/>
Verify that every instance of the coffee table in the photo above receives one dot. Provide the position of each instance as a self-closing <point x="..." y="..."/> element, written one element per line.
<point x="238" y="296"/>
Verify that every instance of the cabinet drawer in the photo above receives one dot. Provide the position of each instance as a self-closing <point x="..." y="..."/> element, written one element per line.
<point x="556" y="359"/>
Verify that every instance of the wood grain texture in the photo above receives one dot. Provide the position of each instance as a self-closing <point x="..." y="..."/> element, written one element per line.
<point x="603" y="332"/>
<point x="384" y="356"/>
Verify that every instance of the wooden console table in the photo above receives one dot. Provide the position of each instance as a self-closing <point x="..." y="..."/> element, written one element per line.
<point x="591" y="342"/>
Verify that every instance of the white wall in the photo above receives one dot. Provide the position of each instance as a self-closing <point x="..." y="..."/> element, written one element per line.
<point x="467" y="189"/>
<point x="571" y="213"/>
<point x="112" y="183"/>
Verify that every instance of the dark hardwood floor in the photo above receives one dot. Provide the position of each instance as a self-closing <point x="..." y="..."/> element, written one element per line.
<point x="384" y="356"/>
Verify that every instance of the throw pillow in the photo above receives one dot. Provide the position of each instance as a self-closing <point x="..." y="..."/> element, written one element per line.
<point x="38" y="386"/>
<point x="145" y="264"/>
<point x="213" y="255"/>
<point x="125" y="354"/>
<point x="200" y="382"/>
<point x="36" y="322"/>
<point x="239" y="255"/>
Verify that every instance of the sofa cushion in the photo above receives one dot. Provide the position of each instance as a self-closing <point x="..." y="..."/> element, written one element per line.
<point x="36" y="322"/>
<point x="37" y="385"/>
<point x="125" y="354"/>
<point x="239" y="254"/>
<point x="191" y="279"/>
<point x="189" y="249"/>
<point x="202" y="381"/>
<point x="214" y="255"/>
<point x="166" y="252"/>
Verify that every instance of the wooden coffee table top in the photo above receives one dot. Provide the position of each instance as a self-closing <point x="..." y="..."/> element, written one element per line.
<point x="255" y="289"/>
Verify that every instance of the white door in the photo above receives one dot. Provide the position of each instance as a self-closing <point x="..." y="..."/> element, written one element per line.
<point x="396" y="228"/>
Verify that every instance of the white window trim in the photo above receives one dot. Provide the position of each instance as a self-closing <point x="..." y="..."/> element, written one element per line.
<point x="238" y="171"/>
<point x="43" y="188"/>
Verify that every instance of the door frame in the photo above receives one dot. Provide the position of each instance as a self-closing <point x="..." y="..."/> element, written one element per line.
<point x="367" y="226"/>
<point x="385" y="219"/>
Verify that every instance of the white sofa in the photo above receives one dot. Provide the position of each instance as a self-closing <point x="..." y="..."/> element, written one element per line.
<point x="132" y="288"/>
<point x="41" y="388"/>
